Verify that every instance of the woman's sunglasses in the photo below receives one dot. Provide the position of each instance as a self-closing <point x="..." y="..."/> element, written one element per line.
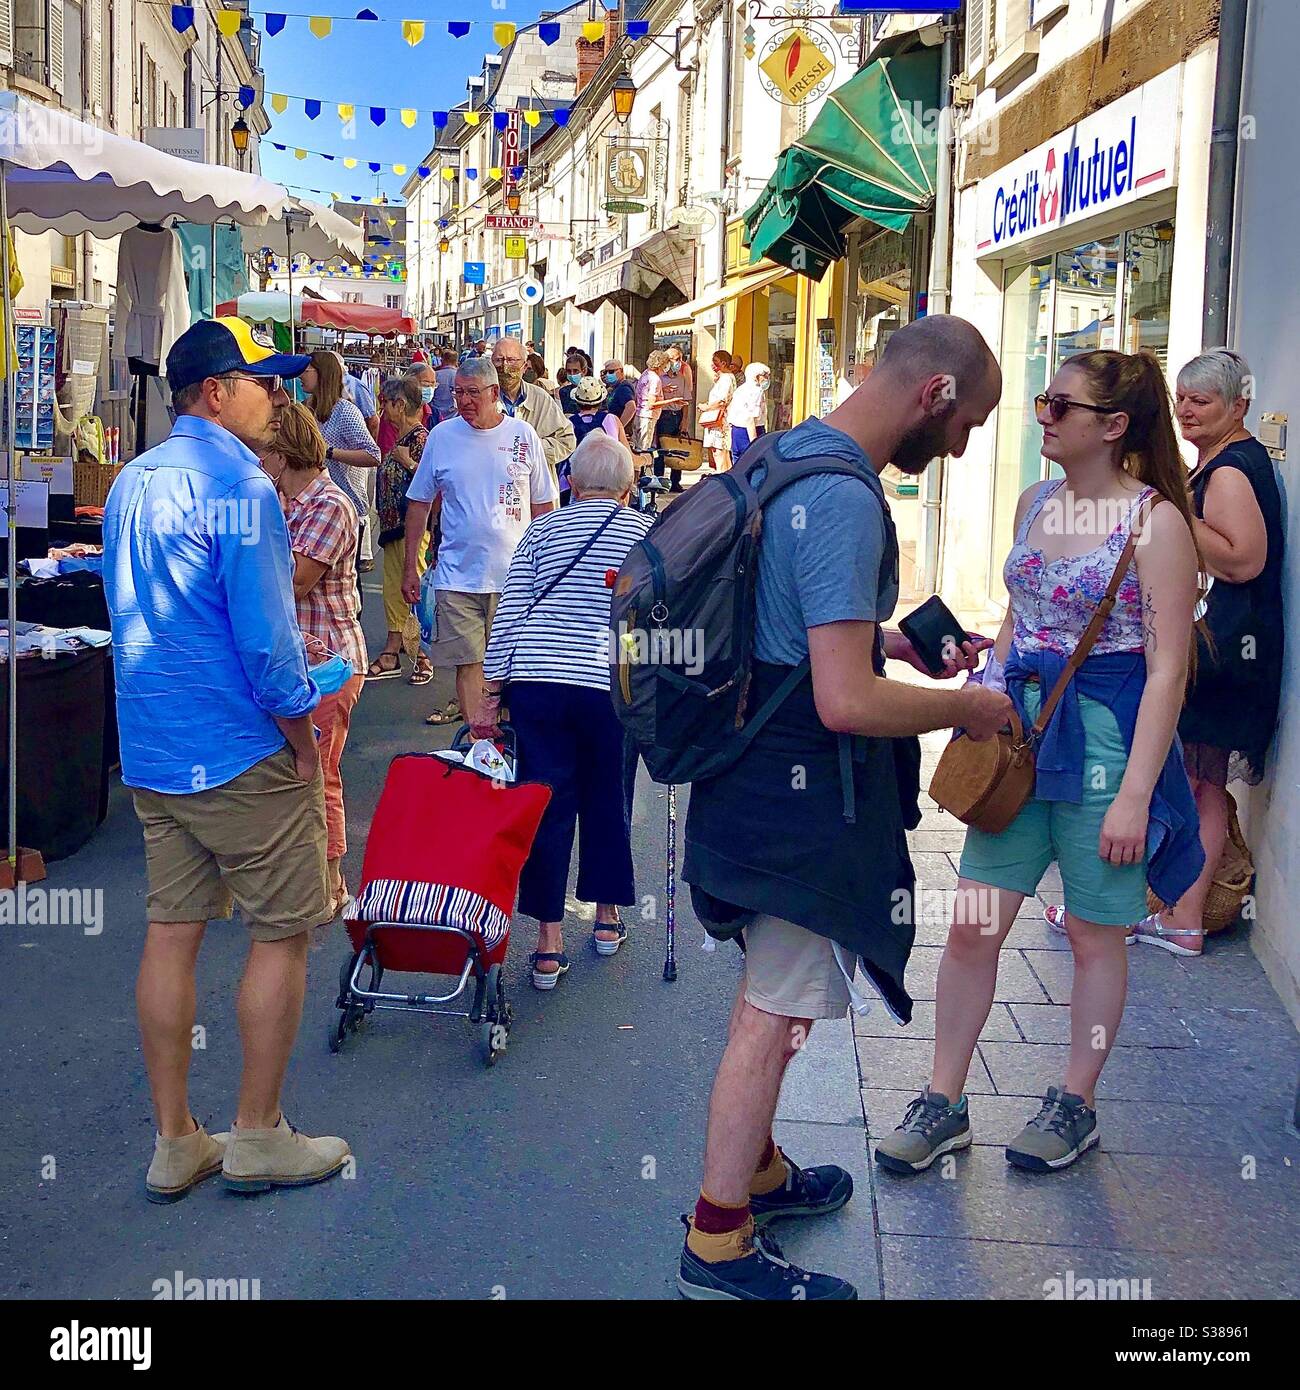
<point x="1060" y="406"/>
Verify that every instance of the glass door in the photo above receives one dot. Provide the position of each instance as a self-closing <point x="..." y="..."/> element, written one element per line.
<point x="1026" y="338"/>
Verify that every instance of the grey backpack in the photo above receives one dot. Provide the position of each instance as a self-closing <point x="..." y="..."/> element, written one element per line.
<point x="682" y="616"/>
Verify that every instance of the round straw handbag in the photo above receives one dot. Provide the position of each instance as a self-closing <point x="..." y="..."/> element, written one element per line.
<point x="1231" y="880"/>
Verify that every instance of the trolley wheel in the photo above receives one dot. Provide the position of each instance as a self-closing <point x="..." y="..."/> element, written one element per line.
<point x="376" y="978"/>
<point x="337" y="1031"/>
<point x="345" y="979"/>
<point x="494" y="1031"/>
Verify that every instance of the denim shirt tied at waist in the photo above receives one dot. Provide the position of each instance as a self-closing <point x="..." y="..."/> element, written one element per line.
<point x="1116" y="679"/>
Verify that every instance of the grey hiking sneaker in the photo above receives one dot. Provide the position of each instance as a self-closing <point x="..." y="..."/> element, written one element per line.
<point x="1062" y="1130"/>
<point x="932" y="1126"/>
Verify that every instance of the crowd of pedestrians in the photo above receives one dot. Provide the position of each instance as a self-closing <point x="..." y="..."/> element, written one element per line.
<point x="503" y="504"/>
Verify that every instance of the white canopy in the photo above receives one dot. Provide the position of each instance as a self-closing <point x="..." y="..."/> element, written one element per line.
<point x="307" y="229"/>
<point x="268" y="306"/>
<point x="67" y="176"/>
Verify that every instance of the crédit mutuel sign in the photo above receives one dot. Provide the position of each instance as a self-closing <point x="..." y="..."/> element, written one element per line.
<point x="1126" y="151"/>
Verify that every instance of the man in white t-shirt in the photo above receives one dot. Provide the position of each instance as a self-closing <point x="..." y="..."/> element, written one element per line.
<point x="488" y="476"/>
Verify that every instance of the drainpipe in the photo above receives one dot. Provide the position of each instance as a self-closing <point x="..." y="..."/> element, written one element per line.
<point x="938" y="300"/>
<point x="1228" y="78"/>
<point x="728" y="18"/>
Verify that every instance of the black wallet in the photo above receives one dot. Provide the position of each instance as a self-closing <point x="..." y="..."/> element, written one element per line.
<point x="935" y="634"/>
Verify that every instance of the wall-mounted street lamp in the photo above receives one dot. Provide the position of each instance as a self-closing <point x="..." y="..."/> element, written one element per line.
<point x="239" y="133"/>
<point x="512" y="200"/>
<point x="444" y="245"/>
<point x="624" y="94"/>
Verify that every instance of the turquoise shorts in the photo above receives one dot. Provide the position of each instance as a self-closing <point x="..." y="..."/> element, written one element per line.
<point x="1069" y="833"/>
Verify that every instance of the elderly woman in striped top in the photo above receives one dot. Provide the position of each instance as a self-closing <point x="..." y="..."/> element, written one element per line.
<point x="549" y="643"/>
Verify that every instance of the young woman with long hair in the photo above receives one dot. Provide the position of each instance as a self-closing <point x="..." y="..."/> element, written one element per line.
<point x="1111" y="804"/>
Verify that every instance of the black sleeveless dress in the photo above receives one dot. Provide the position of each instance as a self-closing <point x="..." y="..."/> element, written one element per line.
<point x="1233" y="706"/>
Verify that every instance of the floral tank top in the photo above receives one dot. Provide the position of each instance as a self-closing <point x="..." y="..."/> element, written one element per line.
<point x="1052" y="601"/>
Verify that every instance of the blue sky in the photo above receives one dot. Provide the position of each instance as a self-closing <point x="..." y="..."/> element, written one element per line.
<point x="369" y="64"/>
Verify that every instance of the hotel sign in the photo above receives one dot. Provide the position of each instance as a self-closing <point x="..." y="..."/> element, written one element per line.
<point x="1126" y="151"/>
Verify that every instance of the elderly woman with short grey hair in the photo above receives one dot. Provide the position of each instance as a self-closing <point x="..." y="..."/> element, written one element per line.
<point x="548" y="659"/>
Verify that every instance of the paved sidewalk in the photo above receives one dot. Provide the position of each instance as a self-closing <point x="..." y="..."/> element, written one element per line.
<point x="1195" y="1185"/>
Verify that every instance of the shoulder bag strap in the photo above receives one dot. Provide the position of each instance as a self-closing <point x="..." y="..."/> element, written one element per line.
<point x="1092" y="631"/>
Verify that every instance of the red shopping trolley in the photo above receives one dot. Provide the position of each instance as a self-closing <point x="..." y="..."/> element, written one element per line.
<point x="438" y="884"/>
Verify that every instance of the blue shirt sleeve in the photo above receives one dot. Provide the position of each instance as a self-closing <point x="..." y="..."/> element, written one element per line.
<point x="839" y="543"/>
<point x="363" y="397"/>
<point x="256" y="580"/>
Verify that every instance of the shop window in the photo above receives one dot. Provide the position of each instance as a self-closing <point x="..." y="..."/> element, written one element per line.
<point x="780" y="356"/>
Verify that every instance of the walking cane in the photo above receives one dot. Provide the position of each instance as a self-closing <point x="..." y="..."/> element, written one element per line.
<point x="670" y="958"/>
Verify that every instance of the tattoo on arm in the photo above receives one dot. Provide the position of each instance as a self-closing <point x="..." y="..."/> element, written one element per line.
<point x="1148" y="621"/>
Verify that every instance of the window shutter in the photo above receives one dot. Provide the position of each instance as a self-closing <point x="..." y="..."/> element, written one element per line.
<point x="1015" y="21"/>
<point x="54" y="43"/>
<point x="1039" y="10"/>
<point x="6" y="33"/>
<point x="979" y="16"/>
<point x="95" y="21"/>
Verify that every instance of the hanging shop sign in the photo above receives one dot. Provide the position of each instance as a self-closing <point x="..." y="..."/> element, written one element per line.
<point x="509" y="222"/>
<point x="803" y="60"/>
<point x="621" y="205"/>
<point x="446" y="323"/>
<point x="512" y="146"/>
<point x="1126" y="151"/>
<point x="502" y="294"/>
<point x="475" y="272"/>
<point x="627" y="171"/>
<point x="516" y="248"/>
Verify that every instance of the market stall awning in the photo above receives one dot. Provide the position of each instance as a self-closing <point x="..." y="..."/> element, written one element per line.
<point x="683" y="314"/>
<point x="66" y="176"/>
<point x="869" y="153"/>
<point x="308" y="230"/>
<point x="663" y="256"/>
<point x="273" y="306"/>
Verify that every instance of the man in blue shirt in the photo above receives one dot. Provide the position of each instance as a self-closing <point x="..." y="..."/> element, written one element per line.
<point x="214" y="702"/>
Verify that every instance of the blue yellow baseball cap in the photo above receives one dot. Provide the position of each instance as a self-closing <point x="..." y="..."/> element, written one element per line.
<point x="214" y="347"/>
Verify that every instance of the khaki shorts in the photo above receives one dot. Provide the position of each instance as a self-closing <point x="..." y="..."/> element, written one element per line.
<point x="258" y="839"/>
<point x="463" y="622"/>
<point x="792" y="971"/>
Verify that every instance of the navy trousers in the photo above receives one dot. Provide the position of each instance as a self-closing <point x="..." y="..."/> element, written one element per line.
<point x="569" y="737"/>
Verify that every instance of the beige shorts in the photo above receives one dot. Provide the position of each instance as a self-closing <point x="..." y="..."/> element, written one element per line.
<point x="463" y="624"/>
<point x="258" y="840"/>
<point x="792" y="971"/>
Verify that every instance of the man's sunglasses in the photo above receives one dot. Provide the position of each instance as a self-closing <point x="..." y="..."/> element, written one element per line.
<point x="1060" y="406"/>
<point x="270" y="384"/>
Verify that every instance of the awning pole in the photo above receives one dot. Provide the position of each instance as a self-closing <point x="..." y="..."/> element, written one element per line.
<point x="11" y="420"/>
<point x="288" y="243"/>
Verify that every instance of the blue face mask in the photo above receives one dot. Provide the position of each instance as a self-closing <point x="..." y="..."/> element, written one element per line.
<point x="574" y="377"/>
<point x="332" y="674"/>
<point x="612" y="378"/>
<point x="426" y="394"/>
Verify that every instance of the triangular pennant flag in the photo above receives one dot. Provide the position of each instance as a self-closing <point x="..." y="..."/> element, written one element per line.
<point x="638" y="28"/>
<point x="247" y="96"/>
<point x="458" y="28"/>
<point x="548" y="33"/>
<point x="274" y="24"/>
<point x="424" y="171"/>
<point x="331" y="158"/>
<point x="367" y="14"/>
<point x="501" y="119"/>
<point x="494" y="173"/>
<point x="320" y="25"/>
<point x="594" y="30"/>
<point x="503" y="35"/>
<point x="561" y="115"/>
<point x="279" y="102"/>
<point x="392" y="221"/>
<point x="378" y="198"/>
<point x="378" y="114"/>
<point x="338" y="198"/>
<point x="228" y="21"/>
<point x="349" y="163"/>
<point x="409" y="116"/>
<point x="300" y="154"/>
<point x="182" y="18"/>
<point x="275" y="145"/>
<point x="471" y="173"/>
<point x="449" y="174"/>
<point x="413" y="31"/>
<point x="439" y="120"/>
<point x="356" y="197"/>
<point x="346" y="110"/>
<point x="517" y="173"/>
<point x="374" y="168"/>
<point x="532" y="117"/>
<point x="311" y="108"/>
<point x="399" y="168"/>
<point x="471" y="117"/>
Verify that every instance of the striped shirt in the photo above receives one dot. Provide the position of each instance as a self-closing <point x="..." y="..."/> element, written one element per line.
<point x="565" y="638"/>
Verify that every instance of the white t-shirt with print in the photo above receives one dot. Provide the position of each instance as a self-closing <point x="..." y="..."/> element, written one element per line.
<point x="489" y="480"/>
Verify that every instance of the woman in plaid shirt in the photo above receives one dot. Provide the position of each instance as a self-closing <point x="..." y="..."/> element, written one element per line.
<point x="323" y="535"/>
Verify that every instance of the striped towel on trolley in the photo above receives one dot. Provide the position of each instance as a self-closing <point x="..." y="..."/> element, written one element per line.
<point x="432" y="905"/>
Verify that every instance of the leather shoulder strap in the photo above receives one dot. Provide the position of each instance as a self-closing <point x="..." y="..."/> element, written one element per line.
<point x="1093" y="630"/>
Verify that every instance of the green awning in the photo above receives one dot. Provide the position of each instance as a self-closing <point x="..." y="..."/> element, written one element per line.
<point x="871" y="152"/>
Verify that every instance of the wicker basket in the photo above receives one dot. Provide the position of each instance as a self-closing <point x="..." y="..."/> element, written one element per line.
<point x="91" y="482"/>
<point x="1231" y="880"/>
